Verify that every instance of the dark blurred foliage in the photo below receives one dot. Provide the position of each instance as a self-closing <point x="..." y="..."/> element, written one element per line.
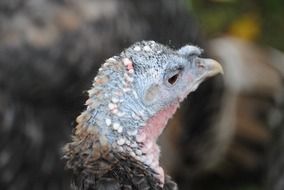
<point x="257" y="143"/>
<point x="275" y="164"/>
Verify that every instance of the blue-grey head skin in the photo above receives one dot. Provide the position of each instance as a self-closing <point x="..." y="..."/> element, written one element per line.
<point x="174" y="73"/>
<point x="131" y="91"/>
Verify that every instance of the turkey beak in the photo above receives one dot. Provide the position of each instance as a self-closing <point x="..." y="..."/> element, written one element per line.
<point x="211" y="66"/>
<point x="201" y="70"/>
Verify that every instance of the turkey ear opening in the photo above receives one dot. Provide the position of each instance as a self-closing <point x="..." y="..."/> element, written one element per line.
<point x="152" y="93"/>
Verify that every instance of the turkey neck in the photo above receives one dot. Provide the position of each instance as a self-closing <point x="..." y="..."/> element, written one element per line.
<point x="118" y="118"/>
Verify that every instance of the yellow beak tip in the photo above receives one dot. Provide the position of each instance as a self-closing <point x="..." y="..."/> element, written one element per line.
<point x="214" y="67"/>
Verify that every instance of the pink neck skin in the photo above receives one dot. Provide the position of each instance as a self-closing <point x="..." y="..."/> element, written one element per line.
<point x="149" y="134"/>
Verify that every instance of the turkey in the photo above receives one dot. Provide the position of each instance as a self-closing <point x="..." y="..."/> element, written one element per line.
<point x="133" y="96"/>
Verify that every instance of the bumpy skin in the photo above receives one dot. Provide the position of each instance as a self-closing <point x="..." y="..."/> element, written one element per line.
<point x="133" y="96"/>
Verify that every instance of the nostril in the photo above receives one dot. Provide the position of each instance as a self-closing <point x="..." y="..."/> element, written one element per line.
<point x="199" y="64"/>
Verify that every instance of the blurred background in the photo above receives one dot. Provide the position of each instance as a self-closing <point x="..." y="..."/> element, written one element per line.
<point x="228" y="135"/>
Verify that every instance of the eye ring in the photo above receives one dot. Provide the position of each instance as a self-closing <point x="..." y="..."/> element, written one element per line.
<point x="172" y="76"/>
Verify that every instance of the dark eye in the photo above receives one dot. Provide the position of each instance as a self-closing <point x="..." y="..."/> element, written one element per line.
<point x="172" y="80"/>
<point x="172" y="76"/>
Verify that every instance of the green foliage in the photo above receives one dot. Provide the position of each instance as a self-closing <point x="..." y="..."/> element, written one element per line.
<point x="217" y="17"/>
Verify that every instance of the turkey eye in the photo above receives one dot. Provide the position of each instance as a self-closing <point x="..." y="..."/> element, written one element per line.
<point x="172" y="76"/>
<point x="173" y="79"/>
